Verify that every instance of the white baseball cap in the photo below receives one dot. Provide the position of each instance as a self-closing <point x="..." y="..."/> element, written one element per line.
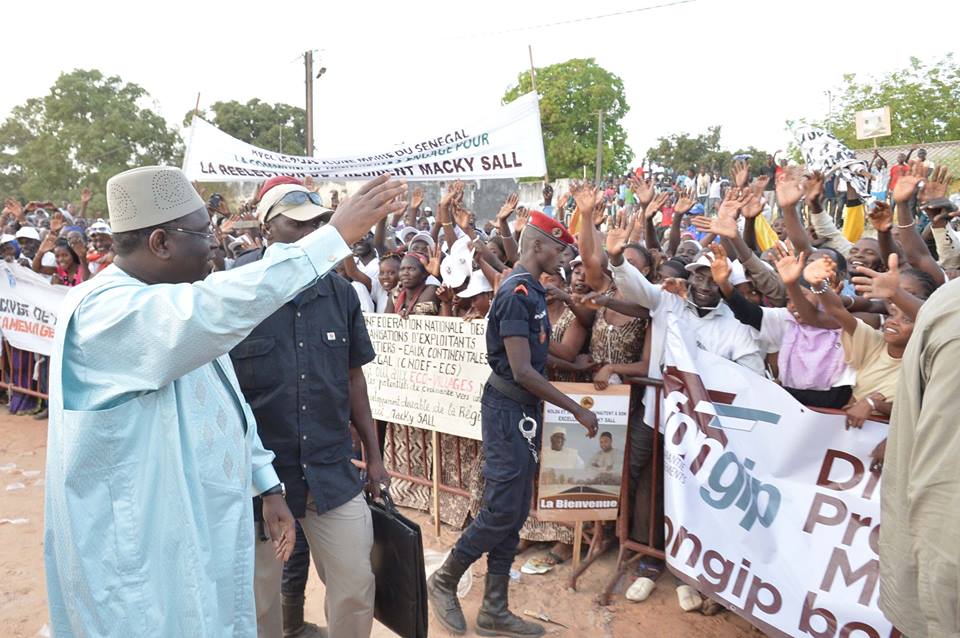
<point x="406" y="233"/>
<point x="28" y="232"/>
<point x="478" y="284"/>
<point x="425" y="236"/>
<point x="456" y="267"/>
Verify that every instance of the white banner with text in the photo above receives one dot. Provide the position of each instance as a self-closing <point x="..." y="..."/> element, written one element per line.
<point x="506" y="143"/>
<point x="770" y="506"/>
<point x="429" y="372"/>
<point x="28" y="308"/>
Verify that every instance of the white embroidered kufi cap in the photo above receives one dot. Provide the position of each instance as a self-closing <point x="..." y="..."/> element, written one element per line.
<point x="150" y="196"/>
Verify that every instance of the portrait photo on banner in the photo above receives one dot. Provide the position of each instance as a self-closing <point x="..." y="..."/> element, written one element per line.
<point x="580" y="476"/>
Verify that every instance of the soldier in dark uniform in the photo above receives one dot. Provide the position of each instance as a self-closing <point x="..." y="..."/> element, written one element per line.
<point x="518" y="336"/>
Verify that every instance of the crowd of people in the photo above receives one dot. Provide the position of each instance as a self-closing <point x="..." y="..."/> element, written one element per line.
<point x="771" y="271"/>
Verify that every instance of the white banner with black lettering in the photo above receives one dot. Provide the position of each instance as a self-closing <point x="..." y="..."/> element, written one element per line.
<point x="429" y="372"/>
<point x="506" y="143"/>
<point x="771" y="507"/>
<point x="28" y="308"/>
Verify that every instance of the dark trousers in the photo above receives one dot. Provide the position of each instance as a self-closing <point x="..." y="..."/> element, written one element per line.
<point x="641" y="481"/>
<point x="296" y="570"/>
<point x="509" y="472"/>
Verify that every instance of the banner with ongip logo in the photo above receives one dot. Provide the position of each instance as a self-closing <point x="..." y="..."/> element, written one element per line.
<point x="770" y="507"/>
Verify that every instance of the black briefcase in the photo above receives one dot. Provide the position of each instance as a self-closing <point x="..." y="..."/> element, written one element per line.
<point x="397" y="560"/>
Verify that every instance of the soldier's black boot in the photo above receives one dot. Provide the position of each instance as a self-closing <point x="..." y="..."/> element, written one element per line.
<point x="495" y="617"/>
<point x="442" y="591"/>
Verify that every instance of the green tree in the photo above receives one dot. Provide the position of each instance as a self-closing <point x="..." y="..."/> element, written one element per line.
<point x="87" y="129"/>
<point x="922" y="98"/>
<point x="681" y="152"/>
<point x="572" y="93"/>
<point x="275" y="127"/>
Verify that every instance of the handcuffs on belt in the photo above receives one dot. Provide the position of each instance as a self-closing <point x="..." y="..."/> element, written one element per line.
<point x="528" y="428"/>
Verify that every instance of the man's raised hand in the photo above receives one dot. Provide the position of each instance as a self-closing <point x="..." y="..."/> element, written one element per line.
<point x="375" y="200"/>
<point x="788" y="188"/>
<point x="642" y="188"/>
<point x="741" y="173"/>
<point x="619" y="233"/>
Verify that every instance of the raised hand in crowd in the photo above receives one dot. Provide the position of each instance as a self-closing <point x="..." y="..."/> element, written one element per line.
<point x="507" y="209"/>
<point x="57" y="222"/>
<point x="733" y="202"/>
<point x="618" y="234"/>
<point x="12" y="207"/>
<point x="433" y="264"/>
<point x="675" y="286"/>
<point x="881" y="216"/>
<point x="416" y="198"/>
<point x="642" y="188"/>
<point x="522" y="216"/>
<point x="741" y="173"/>
<point x="759" y="185"/>
<point x="752" y="205"/>
<point x="85" y="196"/>
<point x="915" y="250"/>
<point x="375" y="200"/>
<point x="813" y="190"/>
<point x="585" y="195"/>
<point x="789" y="265"/>
<point x="909" y="182"/>
<point x="722" y="225"/>
<point x="788" y="187"/>
<point x="599" y="211"/>
<point x="79" y="247"/>
<point x="655" y="204"/>
<point x="935" y="187"/>
<point x="820" y="272"/>
<point x="547" y="194"/>
<point x="685" y="202"/>
<point x="886" y="286"/>
<point x="720" y="268"/>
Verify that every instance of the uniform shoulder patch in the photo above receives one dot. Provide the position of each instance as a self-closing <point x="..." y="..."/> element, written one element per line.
<point x="521" y="289"/>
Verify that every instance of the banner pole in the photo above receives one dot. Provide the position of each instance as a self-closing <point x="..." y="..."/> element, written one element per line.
<point x="578" y="542"/>
<point x="435" y="439"/>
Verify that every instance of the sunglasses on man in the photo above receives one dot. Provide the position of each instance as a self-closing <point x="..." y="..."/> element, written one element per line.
<point x="296" y="198"/>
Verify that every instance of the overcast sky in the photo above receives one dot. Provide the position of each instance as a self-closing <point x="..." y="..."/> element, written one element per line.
<point x="396" y="69"/>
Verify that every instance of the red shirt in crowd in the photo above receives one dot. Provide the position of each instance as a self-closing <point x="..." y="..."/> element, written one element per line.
<point x="895" y="172"/>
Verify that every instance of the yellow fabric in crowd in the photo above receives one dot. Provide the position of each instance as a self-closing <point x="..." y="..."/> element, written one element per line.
<point x="766" y="237"/>
<point x="853" y="221"/>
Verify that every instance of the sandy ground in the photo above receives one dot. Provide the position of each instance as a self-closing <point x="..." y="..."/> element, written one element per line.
<point x="23" y="599"/>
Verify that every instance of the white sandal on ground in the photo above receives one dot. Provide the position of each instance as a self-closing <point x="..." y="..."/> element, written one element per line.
<point x="640" y="590"/>
<point x="689" y="598"/>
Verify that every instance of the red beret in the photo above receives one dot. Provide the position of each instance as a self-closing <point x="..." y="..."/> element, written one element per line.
<point x="276" y="181"/>
<point x="551" y="227"/>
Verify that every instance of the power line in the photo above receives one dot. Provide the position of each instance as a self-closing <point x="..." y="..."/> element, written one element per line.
<point x="583" y="19"/>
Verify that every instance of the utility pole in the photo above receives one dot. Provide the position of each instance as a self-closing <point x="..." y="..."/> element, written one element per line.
<point x="599" y="145"/>
<point x="308" y="63"/>
<point x="533" y="84"/>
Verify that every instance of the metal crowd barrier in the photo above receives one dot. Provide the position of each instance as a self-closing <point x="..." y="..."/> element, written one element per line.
<point x="23" y="372"/>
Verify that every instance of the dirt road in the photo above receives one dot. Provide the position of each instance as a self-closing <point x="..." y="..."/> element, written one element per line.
<point x="23" y="610"/>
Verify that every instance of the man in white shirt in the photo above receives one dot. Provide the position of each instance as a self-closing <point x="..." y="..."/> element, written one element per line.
<point x="700" y="310"/>
<point x="559" y="457"/>
<point x="703" y="186"/>
<point x="714" y="195"/>
<point x="696" y="308"/>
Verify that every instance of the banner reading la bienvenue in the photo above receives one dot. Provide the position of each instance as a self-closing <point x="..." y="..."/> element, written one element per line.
<point x="28" y="308"/>
<point x="770" y="506"/>
<point x="506" y="143"/>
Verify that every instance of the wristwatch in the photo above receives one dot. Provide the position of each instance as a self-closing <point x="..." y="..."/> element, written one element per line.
<point x="279" y="488"/>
